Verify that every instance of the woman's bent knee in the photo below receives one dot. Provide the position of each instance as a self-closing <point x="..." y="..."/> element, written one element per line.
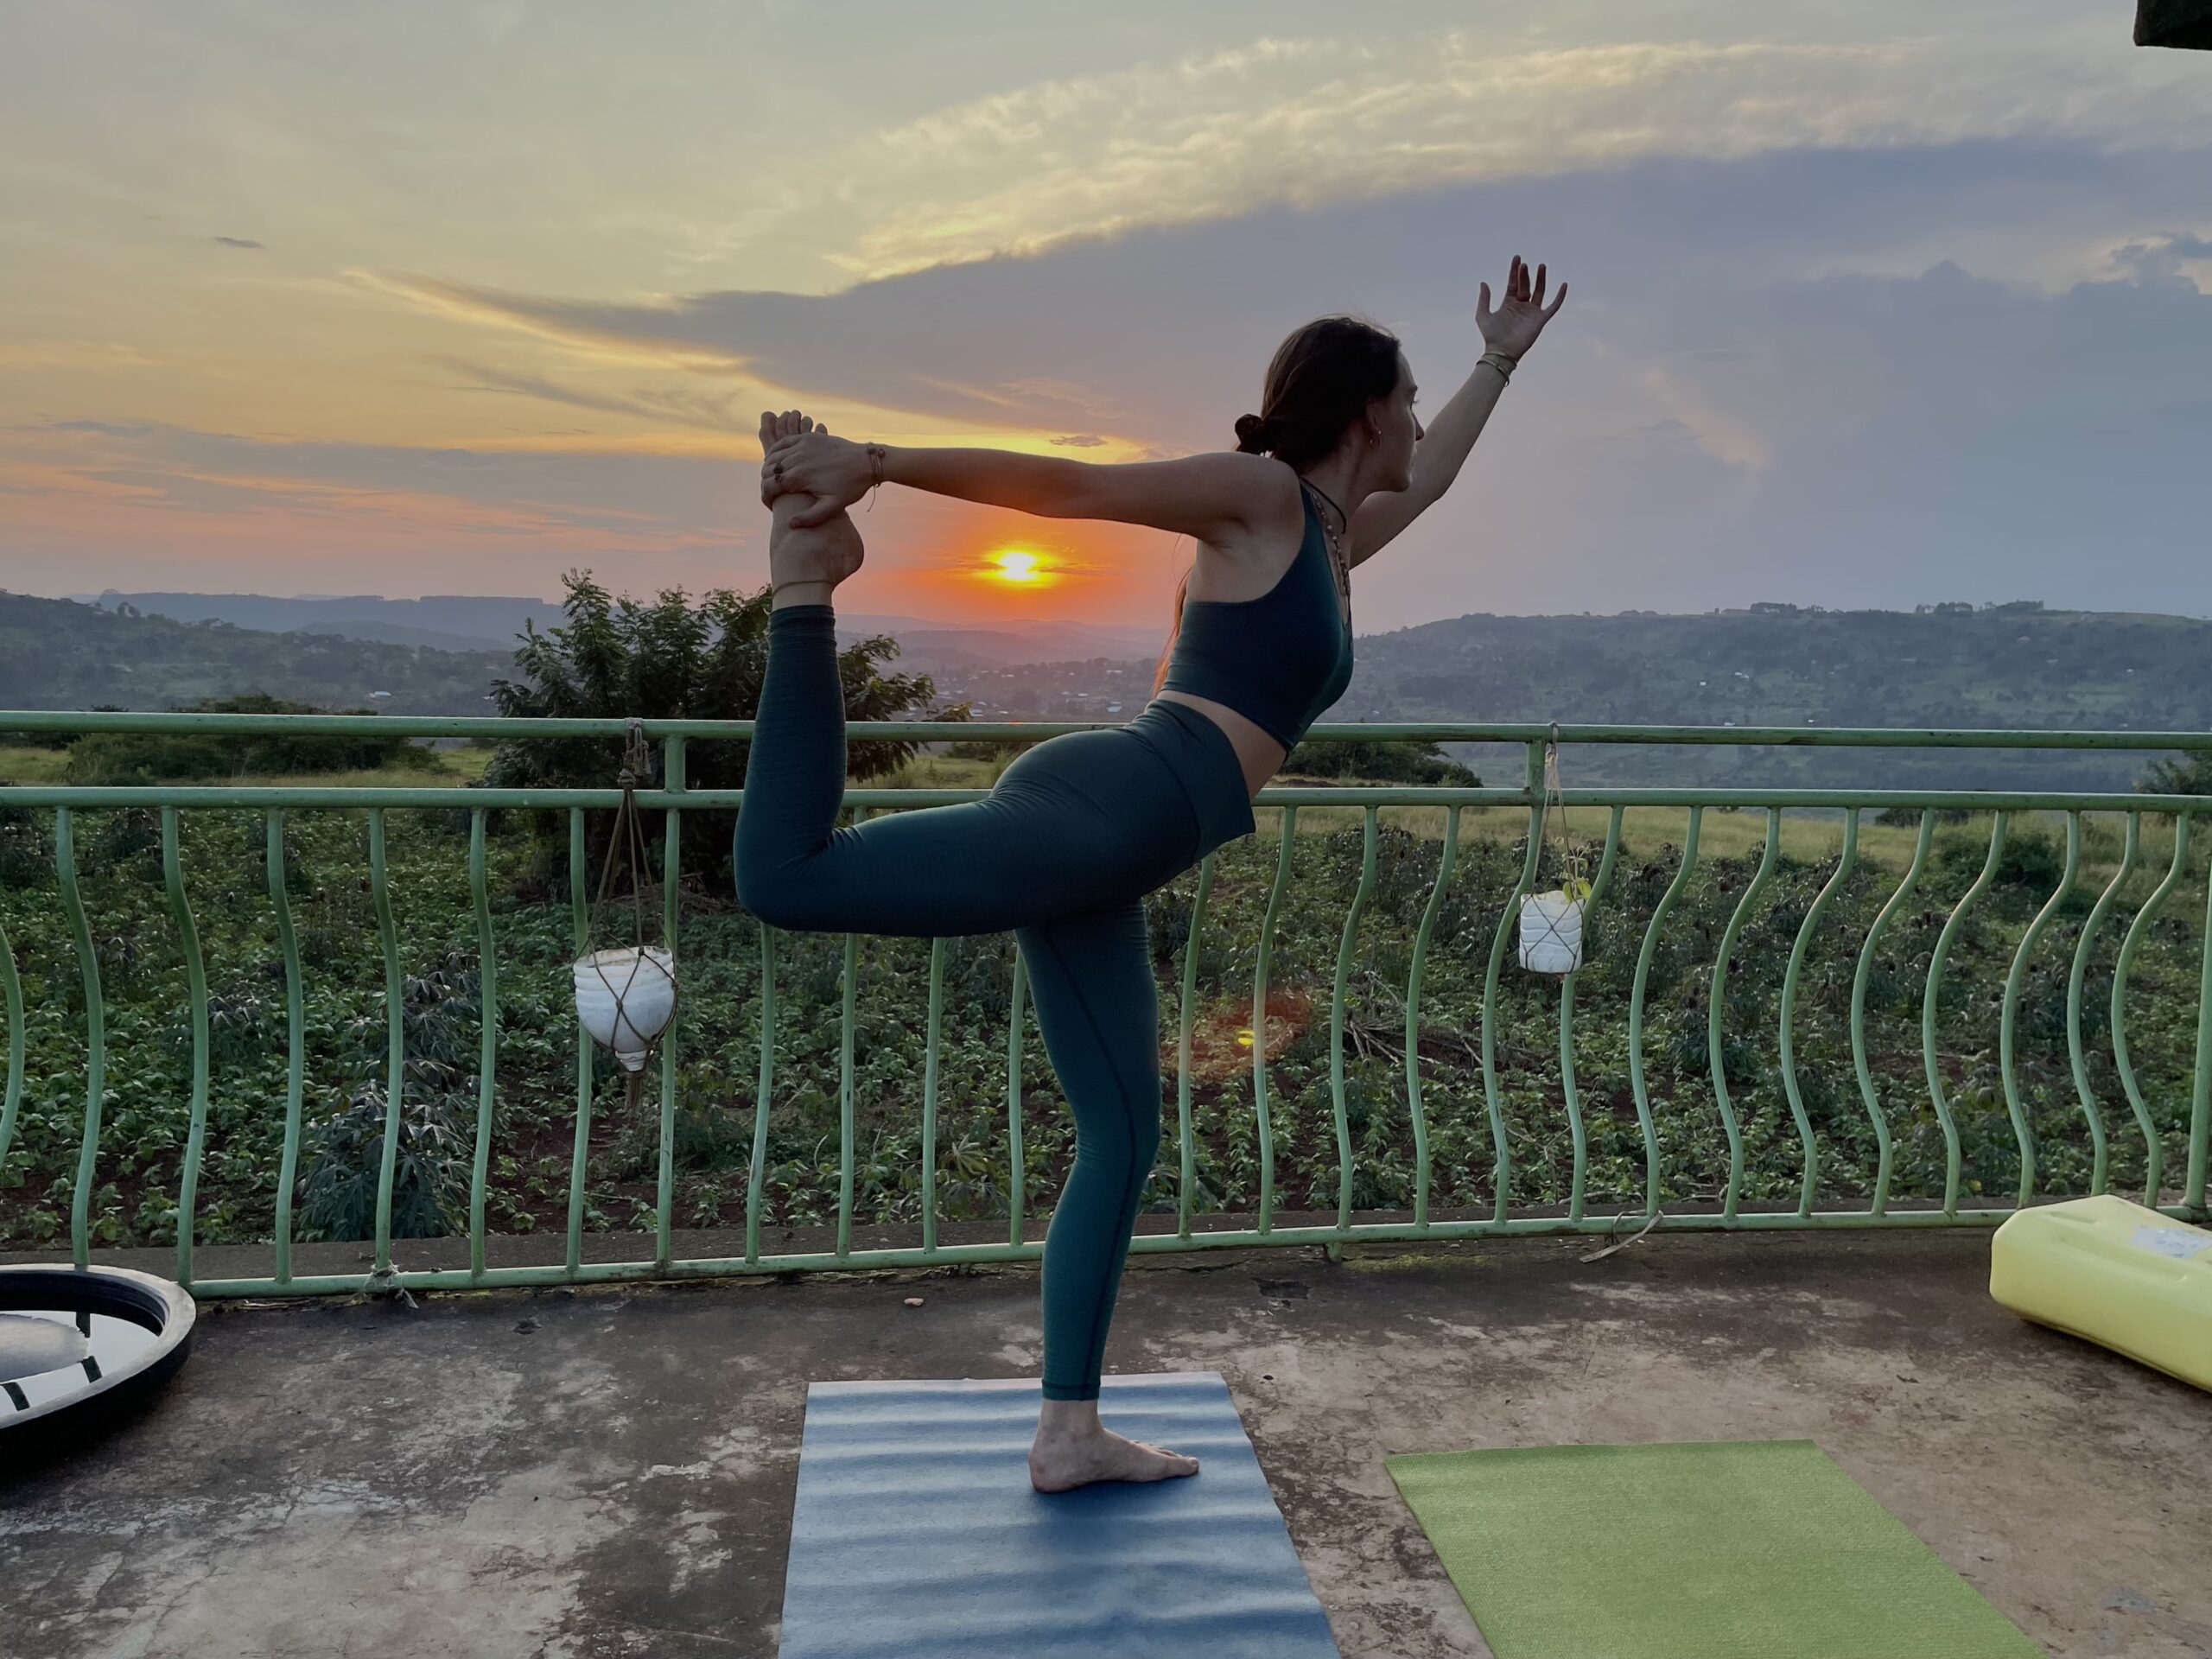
<point x="774" y="897"/>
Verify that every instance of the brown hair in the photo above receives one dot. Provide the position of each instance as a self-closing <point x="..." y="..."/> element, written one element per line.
<point x="1320" y="380"/>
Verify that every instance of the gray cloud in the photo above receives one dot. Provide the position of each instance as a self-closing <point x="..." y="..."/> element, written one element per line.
<point x="235" y="241"/>
<point x="1813" y="376"/>
<point x="660" y="405"/>
<point x="2158" y="259"/>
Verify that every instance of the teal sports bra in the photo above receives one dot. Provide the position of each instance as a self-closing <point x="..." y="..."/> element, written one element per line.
<point x="1278" y="660"/>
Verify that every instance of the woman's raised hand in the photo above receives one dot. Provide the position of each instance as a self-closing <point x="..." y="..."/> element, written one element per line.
<point x="1521" y="316"/>
<point x="798" y="456"/>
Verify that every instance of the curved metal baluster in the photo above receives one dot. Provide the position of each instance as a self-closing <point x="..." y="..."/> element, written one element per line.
<point x="1507" y="920"/>
<point x="1636" y="1015"/>
<point x="1881" y="1124"/>
<point x="674" y="773"/>
<point x="487" y="1039"/>
<point x="2007" y="1019"/>
<point x="1185" y="1016"/>
<point x="295" y="1026"/>
<point x="1413" y="1015"/>
<point x="1827" y="892"/>
<point x="1016" y="1172"/>
<point x="931" y="1044"/>
<point x="195" y="979"/>
<point x="1336" y="1022"/>
<point x="12" y="987"/>
<point x="1288" y="832"/>
<point x="846" y="1124"/>
<point x="2089" y="1109"/>
<point x="1571" y="1099"/>
<point x="2200" y="1106"/>
<point x="578" y="1157"/>
<point x="2153" y="1153"/>
<point x="761" y="1094"/>
<point x="88" y="969"/>
<point x="1996" y="822"/>
<point x="395" y="1085"/>
<point x="1714" y="996"/>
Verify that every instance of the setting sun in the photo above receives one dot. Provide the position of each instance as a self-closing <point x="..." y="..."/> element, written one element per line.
<point x="1014" y="565"/>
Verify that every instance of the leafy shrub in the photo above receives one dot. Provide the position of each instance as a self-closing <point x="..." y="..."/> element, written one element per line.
<point x="2029" y="859"/>
<point x="113" y="758"/>
<point x="26" y="853"/>
<point x="1381" y="762"/>
<point x="2190" y="774"/>
<point x="343" y="1166"/>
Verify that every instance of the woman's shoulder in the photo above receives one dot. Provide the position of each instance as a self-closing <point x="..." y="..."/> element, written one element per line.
<point x="1267" y="540"/>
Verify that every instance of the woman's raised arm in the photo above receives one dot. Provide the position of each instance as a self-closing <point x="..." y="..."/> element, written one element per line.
<point x="1194" y="495"/>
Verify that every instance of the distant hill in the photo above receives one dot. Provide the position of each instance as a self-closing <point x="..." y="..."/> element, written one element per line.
<point x="443" y="621"/>
<point x="928" y="646"/>
<point x="56" y="653"/>
<point x="2012" y="666"/>
<point x="2008" y="667"/>
<point x="464" y="622"/>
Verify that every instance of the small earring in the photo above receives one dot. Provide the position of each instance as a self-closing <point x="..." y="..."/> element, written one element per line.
<point x="1372" y="434"/>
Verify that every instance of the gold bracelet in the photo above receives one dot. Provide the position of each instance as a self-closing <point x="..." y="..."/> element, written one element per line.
<point x="877" y="455"/>
<point x="1502" y="363"/>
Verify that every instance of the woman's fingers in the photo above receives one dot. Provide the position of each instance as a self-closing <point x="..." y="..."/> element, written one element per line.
<point x="1558" y="300"/>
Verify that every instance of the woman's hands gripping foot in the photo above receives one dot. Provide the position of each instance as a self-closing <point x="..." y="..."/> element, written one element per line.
<point x="804" y="565"/>
<point x="1073" y="1448"/>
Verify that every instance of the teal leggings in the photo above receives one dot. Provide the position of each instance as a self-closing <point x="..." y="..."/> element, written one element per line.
<point x="1061" y="851"/>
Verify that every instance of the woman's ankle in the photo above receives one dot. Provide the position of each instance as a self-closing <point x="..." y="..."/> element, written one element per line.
<point x="1068" y="1419"/>
<point x="789" y="593"/>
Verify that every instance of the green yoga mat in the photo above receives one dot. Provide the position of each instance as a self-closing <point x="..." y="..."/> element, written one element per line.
<point x="1759" y="1549"/>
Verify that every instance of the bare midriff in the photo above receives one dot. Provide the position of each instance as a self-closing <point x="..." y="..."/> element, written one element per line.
<point x="1259" y="754"/>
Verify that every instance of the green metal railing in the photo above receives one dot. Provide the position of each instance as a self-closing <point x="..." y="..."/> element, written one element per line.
<point x="64" y="803"/>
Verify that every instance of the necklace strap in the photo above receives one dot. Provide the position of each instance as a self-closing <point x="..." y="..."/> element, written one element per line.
<point x="1343" y="518"/>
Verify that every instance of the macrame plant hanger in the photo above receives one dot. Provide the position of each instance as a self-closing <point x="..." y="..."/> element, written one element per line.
<point x="625" y="995"/>
<point x="1551" y="923"/>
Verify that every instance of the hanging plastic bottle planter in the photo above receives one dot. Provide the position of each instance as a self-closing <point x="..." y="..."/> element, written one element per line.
<point x="625" y="994"/>
<point x="1551" y="923"/>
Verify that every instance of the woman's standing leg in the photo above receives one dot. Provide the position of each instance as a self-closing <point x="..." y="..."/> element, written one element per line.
<point x="1097" y="1007"/>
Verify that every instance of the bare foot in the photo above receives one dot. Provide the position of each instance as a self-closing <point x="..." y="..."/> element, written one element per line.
<point x="805" y="566"/>
<point x="1061" y="1462"/>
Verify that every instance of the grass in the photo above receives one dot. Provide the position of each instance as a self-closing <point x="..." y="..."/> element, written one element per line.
<point x="420" y="768"/>
<point x="1647" y="832"/>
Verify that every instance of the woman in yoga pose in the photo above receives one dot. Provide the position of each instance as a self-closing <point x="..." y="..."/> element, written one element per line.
<point x="1077" y="830"/>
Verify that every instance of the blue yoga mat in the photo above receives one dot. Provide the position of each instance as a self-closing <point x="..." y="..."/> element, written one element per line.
<point x="915" y="1534"/>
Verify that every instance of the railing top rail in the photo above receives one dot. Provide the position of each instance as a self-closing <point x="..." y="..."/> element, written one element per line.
<point x="1901" y="737"/>
<point x="463" y="799"/>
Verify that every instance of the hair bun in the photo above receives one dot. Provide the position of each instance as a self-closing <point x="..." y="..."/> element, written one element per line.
<point x="1253" y="434"/>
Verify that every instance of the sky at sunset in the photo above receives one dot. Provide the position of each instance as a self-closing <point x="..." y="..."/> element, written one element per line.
<point x="1872" y="303"/>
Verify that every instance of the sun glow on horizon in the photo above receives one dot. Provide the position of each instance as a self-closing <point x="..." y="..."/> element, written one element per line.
<point x="1016" y="567"/>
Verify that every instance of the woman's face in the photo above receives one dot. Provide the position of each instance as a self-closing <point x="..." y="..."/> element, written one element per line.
<point x="1397" y="430"/>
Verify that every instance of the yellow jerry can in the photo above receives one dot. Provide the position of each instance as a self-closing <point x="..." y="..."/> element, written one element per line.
<point x="2113" y="1272"/>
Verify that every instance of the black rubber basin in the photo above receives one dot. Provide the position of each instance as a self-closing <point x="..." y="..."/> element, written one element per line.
<point x="80" y="1348"/>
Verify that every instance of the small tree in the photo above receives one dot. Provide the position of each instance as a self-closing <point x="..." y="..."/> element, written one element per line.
<point x="673" y="660"/>
<point x="1381" y="761"/>
<point x="2189" y="775"/>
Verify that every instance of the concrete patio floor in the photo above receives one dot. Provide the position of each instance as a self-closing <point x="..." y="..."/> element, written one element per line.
<point x="596" y="1472"/>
